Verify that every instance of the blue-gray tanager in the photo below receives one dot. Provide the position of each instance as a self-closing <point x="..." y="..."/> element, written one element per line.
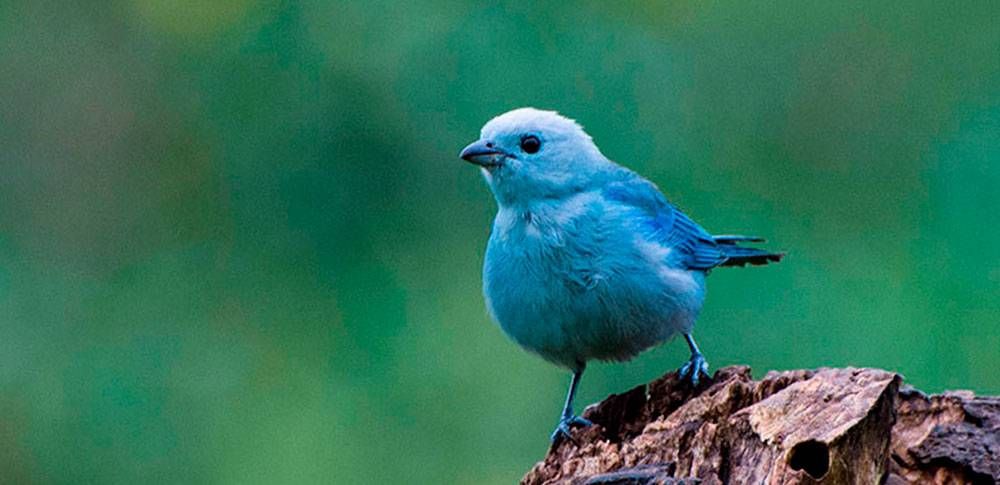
<point x="587" y="259"/>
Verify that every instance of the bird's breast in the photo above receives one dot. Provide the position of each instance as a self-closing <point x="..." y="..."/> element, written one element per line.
<point x="578" y="281"/>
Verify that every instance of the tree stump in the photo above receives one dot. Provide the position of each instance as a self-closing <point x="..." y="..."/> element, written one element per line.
<point x="828" y="426"/>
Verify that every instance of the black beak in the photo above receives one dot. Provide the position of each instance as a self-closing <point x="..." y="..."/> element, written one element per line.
<point x="482" y="153"/>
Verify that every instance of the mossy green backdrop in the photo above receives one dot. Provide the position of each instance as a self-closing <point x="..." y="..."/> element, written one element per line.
<point x="237" y="244"/>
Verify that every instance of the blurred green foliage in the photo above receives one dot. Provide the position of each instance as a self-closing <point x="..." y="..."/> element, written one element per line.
<point x="237" y="245"/>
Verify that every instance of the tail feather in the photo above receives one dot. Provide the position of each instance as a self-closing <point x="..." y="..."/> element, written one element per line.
<point x="741" y="256"/>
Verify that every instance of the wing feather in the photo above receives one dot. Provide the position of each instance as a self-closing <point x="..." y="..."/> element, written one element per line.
<point x="691" y="246"/>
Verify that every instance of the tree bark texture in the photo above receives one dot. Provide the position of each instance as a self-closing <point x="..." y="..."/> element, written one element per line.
<point x="828" y="426"/>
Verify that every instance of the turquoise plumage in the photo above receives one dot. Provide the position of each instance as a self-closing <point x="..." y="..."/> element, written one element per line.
<point x="588" y="260"/>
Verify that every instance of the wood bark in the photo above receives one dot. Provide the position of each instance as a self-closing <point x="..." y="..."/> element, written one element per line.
<point x="825" y="426"/>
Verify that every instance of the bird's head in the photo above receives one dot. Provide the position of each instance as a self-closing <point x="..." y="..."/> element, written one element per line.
<point x="529" y="154"/>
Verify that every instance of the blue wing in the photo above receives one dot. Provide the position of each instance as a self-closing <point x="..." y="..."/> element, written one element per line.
<point x="691" y="246"/>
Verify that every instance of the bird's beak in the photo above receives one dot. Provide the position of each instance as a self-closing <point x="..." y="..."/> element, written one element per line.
<point x="482" y="153"/>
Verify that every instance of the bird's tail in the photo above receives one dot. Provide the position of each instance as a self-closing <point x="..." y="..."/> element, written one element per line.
<point x="737" y="255"/>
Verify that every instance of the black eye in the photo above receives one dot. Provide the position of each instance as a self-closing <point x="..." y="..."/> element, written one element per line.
<point x="530" y="144"/>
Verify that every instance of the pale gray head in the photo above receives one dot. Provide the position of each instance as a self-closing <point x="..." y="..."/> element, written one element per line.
<point x="529" y="154"/>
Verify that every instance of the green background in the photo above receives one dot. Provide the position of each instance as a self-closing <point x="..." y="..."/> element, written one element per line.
<point x="237" y="244"/>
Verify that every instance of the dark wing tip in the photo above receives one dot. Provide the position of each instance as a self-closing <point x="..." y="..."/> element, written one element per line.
<point x="736" y="238"/>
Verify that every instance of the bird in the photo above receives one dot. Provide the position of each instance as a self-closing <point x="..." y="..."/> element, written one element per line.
<point x="586" y="259"/>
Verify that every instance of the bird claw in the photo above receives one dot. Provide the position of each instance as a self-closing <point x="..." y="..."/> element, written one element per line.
<point x="566" y="424"/>
<point x="694" y="369"/>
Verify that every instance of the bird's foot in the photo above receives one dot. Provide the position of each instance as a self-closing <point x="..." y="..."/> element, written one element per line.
<point x="694" y="369"/>
<point x="565" y="424"/>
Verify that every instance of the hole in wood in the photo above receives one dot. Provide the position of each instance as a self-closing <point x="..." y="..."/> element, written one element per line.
<point x="811" y="456"/>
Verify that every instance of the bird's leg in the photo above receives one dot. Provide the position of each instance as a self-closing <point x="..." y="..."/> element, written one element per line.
<point x="695" y="366"/>
<point x="568" y="419"/>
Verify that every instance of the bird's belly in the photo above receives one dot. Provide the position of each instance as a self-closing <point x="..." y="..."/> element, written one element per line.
<point x="571" y="309"/>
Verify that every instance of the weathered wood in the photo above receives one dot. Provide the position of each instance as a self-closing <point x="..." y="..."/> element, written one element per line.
<point x="827" y="426"/>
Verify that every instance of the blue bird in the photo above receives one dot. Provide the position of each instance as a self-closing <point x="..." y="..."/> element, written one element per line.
<point x="587" y="259"/>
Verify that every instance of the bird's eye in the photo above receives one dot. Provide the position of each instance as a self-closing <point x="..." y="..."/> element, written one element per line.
<point x="530" y="144"/>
